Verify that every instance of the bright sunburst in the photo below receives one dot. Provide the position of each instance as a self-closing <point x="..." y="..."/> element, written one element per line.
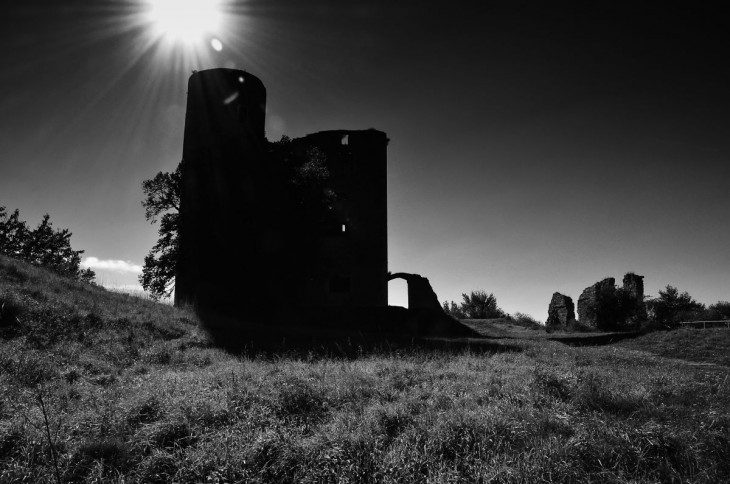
<point x="185" y="20"/>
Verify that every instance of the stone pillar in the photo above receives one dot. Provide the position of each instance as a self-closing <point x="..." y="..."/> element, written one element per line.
<point x="561" y="312"/>
<point x="634" y="285"/>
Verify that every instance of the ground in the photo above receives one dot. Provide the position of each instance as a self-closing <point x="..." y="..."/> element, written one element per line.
<point x="119" y="389"/>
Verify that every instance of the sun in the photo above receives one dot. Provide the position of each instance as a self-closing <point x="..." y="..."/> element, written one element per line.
<point x="184" y="20"/>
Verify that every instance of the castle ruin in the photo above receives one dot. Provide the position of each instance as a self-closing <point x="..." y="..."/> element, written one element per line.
<point x="239" y="246"/>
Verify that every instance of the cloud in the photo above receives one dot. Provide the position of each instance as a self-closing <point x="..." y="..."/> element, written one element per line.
<point x="126" y="288"/>
<point x="111" y="265"/>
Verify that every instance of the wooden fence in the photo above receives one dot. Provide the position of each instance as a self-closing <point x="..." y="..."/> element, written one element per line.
<point x="707" y="324"/>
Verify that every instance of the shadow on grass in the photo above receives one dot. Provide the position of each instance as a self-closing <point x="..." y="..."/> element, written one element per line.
<point x="587" y="339"/>
<point x="347" y="334"/>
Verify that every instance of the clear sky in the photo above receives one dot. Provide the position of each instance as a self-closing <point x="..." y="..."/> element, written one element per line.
<point x="534" y="148"/>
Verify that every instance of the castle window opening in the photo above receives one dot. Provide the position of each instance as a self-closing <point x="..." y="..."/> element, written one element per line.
<point x="344" y="228"/>
<point x="345" y="139"/>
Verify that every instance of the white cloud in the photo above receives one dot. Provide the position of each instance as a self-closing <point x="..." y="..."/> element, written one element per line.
<point x="126" y="288"/>
<point x="111" y="265"/>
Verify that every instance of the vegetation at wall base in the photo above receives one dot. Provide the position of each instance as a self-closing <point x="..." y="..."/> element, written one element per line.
<point x="134" y="391"/>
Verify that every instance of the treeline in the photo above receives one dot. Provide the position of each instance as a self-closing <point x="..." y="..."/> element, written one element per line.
<point x="43" y="246"/>
<point x="672" y="307"/>
<point x="665" y="311"/>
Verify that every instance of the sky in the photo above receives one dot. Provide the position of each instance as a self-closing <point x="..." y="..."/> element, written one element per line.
<point x="534" y="148"/>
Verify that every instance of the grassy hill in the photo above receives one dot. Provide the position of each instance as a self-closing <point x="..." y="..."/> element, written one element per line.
<point x="120" y="389"/>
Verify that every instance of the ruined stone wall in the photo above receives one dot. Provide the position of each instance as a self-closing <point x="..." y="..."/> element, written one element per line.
<point x="603" y="306"/>
<point x="239" y="243"/>
<point x="588" y="312"/>
<point x="561" y="312"/>
<point x="421" y="295"/>
<point x="634" y="286"/>
<point x="353" y="253"/>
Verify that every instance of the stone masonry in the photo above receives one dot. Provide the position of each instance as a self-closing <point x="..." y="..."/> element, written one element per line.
<point x="634" y="285"/>
<point x="561" y="312"/>
<point x="588" y="300"/>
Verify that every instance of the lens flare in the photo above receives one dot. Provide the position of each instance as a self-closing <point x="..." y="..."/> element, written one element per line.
<point x="185" y="20"/>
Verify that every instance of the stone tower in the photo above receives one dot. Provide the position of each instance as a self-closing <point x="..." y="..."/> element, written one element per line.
<point x="238" y="243"/>
<point x="222" y="153"/>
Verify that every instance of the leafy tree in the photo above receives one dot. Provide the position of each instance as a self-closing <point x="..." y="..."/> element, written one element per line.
<point x="42" y="246"/>
<point x="480" y="305"/>
<point x="13" y="233"/>
<point x="453" y="310"/>
<point x="718" y="311"/>
<point x="477" y="305"/>
<point x="162" y="202"/>
<point x="672" y="307"/>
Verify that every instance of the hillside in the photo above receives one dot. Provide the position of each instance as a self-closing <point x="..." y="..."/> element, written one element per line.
<point x="709" y="346"/>
<point x="128" y="390"/>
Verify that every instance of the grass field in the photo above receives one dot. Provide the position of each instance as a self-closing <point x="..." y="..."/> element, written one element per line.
<point x="104" y="387"/>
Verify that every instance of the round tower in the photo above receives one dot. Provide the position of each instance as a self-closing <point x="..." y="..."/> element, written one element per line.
<point x="222" y="153"/>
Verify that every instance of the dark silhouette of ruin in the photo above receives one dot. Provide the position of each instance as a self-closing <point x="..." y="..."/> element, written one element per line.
<point x="604" y="306"/>
<point x="238" y="244"/>
<point x="293" y="231"/>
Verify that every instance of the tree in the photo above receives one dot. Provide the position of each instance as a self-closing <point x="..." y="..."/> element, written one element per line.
<point x="304" y="178"/>
<point x="13" y="233"/>
<point x="672" y="307"/>
<point x="162" y="202"/>
<point x="453" y="310"/>
<point x="719" y="310"/>
<point x="477" y="305"/>
<point x="44" y="246"/>
<point x="480" y="305"/>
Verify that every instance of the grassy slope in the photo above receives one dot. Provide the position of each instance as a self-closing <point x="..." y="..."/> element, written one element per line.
<point x="134" y="392"/>
<point x="503" y="328"/>
<point x="697" y="345"/>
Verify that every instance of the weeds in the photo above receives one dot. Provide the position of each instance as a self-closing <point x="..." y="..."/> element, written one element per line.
<point x="134" y="392"/>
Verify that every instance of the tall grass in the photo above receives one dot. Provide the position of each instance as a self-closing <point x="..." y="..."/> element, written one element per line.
<point x="134" y="392"/>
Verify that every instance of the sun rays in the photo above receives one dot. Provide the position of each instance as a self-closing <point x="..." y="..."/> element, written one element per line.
<point x="185" y="21"/>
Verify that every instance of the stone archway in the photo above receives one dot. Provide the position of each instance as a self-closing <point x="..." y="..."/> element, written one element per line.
<point x="420" y="293"/>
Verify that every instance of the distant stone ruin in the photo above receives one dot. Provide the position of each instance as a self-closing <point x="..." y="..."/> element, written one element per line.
<point x="634" y="286"/>
<point x="561" y="312"/>
<point x="604" y="306"/>
<point x="589" y="313"/>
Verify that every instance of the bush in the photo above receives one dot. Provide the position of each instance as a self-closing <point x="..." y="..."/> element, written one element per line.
<point x="477" y="305"/>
